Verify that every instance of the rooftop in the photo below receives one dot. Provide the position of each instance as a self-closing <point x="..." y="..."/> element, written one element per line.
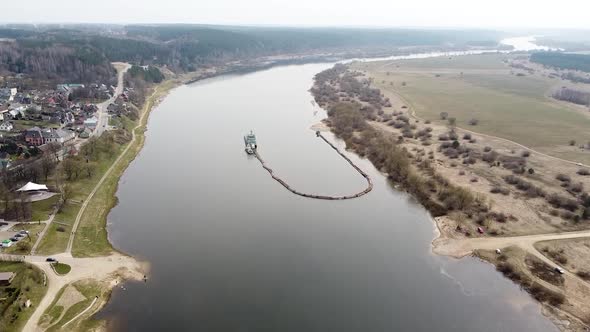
<point x="6" y="276"/>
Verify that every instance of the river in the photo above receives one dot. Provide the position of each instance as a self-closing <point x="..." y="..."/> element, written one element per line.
<point x="232" y="250"/>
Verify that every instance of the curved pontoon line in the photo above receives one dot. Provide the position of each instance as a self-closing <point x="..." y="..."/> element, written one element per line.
<point x="284" y="184"/>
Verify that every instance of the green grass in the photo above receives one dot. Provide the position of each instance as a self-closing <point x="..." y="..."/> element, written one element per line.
<point x="26" y="124"/>
<point x="61" y="268"/>
<point x="29" y="281"/>
<point x="53" y="312"/>
<point x="90" y="289"/>
<point x="91" y="238"/>
<point x="41" y="210"/>
<point x="479" y="62"/>
<point x="54" y="241"/>
<point x="508" y="106"/>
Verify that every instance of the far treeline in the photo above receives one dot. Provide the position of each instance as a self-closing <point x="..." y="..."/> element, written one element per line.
<point x="563" y="60"/>
<point x="82" y="53"/>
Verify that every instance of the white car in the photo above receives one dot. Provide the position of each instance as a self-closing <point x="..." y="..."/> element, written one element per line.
<point x="559" y="270"/>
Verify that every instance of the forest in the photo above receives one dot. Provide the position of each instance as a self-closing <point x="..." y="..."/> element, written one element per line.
<point x="82" y="53"/>
<point x="563" y="60"/>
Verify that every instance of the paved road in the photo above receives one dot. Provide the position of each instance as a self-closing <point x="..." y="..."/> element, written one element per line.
<point x="102" y="113"/>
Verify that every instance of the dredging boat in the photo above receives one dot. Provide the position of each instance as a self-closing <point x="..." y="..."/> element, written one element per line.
<point x="250" y="142"/>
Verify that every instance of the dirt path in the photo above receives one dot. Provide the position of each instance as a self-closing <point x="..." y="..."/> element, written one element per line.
<point x="99" y="268"/>
<point x="42" y="234"/>
<point x="81" y="314"/>
<point x="104" y="177"/>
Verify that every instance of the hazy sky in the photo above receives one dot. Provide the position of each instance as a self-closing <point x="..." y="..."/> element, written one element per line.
<point x="441" y="13"/>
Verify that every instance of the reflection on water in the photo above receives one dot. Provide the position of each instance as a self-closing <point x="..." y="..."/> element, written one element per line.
<point x="232" y="250"/>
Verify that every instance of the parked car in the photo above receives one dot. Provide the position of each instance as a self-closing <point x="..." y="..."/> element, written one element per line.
<point x="20" y="235"/>
<point x="23" y="232"/>
<point x="49" y="259"/>
<point x="14" y="239"/>
<point x="6" y="243"/>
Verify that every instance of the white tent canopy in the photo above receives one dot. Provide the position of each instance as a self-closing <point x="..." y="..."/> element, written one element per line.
<point x="33" y="187"/>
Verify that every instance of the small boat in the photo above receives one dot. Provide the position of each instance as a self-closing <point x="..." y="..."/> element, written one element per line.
<point x="250" y="143"/>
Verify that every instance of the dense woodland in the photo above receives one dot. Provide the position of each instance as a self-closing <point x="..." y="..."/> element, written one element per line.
<point x="82" y="53"/>
<point x="573" y="96"/>
<point x="563" y="60"/>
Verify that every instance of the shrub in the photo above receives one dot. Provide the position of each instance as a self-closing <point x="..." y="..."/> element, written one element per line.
<point x="584" y="275"/>
<point x="473" y="122"/>
<point x="467" y="136"/>
<point x="500" y="190"/>
<point x="563" y="178"/>
<point x="487" y="149"/>
<point x="525" y="153"/>
<point x="577" y="187"/>
<point x="572" y="142"/>
<point x="567" y="215"/>
<point x="531" y="171"/>
<point x="583" y="172"/>
<point x="443" y="137"/>
<point x="427" y="121"/>
<point x="562" y="202"/>
<point x="444" y="115"/>
<point x="60" y="229"/>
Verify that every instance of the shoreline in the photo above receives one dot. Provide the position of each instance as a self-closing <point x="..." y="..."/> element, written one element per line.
<point x="116" y="267"/>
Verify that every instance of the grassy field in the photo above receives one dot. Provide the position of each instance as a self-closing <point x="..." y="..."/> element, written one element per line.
<point x="482" y="87"/>
<point x="25" y="124"/>
<point x="91" y="238"/>
<point x="61" y="268"/>
<point x="89" y="289"/>
<point x="41" y="210"/>
<point x="28" y="285"/>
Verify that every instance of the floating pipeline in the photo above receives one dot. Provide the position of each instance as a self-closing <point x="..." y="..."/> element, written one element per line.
<point x="325" y="197"/>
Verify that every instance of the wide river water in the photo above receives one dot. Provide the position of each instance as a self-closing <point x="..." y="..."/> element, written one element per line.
<point x="232" y="250"/>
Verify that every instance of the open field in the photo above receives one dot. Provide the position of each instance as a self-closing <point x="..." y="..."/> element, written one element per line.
<point x="482" y="87"/>
<point x="28" y="283"/>
<point x="41" y="210"/>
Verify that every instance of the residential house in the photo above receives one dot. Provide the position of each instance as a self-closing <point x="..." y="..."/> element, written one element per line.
<point x="57" y="136"/>
<point x="6" y="126"/>
<point x="91" y="122"/>
<point x="33" y="136"/>
<point x="4" y="115"/>
<point x="7" y="94"/>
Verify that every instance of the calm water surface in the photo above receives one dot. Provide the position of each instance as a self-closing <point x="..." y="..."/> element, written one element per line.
<point x="232" y="250"/>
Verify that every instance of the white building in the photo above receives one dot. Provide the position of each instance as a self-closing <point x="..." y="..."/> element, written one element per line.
<point x="6" y="126"/>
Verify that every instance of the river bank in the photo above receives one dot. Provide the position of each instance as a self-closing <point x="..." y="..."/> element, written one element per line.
<point x="271" y="249"/>
<point x="467" y="215"/>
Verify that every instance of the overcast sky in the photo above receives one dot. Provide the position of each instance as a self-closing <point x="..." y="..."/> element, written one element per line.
<point x="432" y="13"/>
